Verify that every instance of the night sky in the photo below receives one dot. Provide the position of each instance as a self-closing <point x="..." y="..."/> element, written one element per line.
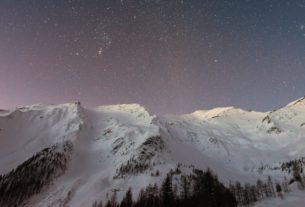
<point x="172" y="56"/>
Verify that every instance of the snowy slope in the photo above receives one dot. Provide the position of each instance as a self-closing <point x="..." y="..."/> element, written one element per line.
<point x="295" y="198"/>
<point x="115" y="147"/>
<point x="27" y="130"/>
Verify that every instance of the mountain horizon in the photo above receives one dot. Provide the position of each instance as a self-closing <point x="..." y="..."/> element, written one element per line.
<point x="124" y="146"/>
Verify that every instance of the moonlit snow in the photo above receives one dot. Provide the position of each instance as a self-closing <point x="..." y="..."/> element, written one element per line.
<point x="233" y="142"/>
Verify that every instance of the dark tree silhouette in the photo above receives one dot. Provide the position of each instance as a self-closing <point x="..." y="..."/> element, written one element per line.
<point x="33" y="175"/>
<point x="198" y="189"/>
<point x="127" y="200"/>
<point x="167" y="195"/>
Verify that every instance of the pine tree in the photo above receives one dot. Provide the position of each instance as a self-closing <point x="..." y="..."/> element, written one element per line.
<point x="185" y="188"/>
<point x="141" y="199"/>
<point x="246" y="195"/>
<point x="296" y="169"/>
<point x="113" y="200"/>
<point x="232" y="189"/>
<point x="285" y="185"/>
<point x="279" y="190"/>
<point x="271" y="187"/>
<point x="253" y="194"/>
<point x="239" y="193"/>
<point x="167" y="192"/>
<point x="127" y="200"/>
<point x="260" y="189"/>
<point x="156" y="196"/>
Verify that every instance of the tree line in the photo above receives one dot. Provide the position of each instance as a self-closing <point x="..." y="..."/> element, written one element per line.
<point x="30" y="177"/>
<point x="201" y="188"/>
<point x="204" y="189"/>
<point x="248" y="194"/>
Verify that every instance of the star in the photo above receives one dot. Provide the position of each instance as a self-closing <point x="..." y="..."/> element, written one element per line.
<point x="206" y="53"/>
<point x="100" y="51"/>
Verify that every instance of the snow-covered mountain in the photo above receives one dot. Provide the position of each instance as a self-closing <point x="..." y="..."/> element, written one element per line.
<point x="112" y="148"/>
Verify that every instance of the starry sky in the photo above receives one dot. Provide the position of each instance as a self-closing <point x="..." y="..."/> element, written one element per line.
<point x="172" y="56"/>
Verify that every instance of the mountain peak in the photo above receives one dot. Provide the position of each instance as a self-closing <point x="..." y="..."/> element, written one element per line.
<point x="124" y="145"/>
<point x="206" y="114"/>
<point x="135" y="110"/>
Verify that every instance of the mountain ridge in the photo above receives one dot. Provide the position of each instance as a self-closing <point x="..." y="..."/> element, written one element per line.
<point x="122" y="146"/>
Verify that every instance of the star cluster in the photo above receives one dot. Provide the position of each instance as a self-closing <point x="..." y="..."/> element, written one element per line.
<point x="171" y="56"/>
